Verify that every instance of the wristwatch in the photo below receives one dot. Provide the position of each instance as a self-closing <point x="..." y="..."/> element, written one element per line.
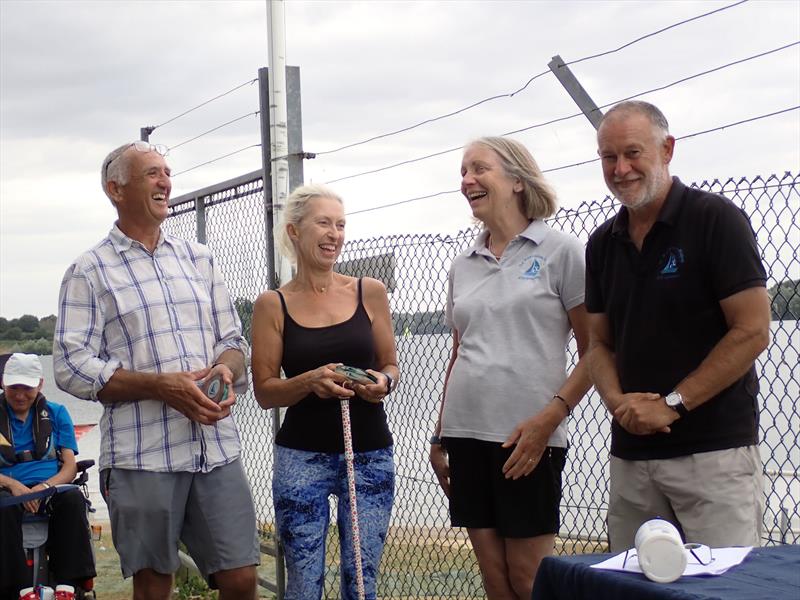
<point x="389" y="383"/>
<point x="436" y="440"/>
<point x="675" y="402"/>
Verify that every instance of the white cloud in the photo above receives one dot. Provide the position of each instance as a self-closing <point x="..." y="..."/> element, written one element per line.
<point x="79" y="78"/>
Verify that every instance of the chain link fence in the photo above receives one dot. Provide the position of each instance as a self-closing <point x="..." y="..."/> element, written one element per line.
<point x="423" y="556"/>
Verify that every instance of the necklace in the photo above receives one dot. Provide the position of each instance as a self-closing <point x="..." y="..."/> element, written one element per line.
<point x="489" y="246"/>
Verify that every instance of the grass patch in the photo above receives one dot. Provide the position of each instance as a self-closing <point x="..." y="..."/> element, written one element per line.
<point x="418" y="562"/>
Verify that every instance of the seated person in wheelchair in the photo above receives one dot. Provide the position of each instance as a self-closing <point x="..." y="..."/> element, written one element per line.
<point x="37" y="451"/>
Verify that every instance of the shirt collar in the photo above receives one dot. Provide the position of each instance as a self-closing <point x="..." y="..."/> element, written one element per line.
<point x="536" y="231"/>
<point x="123" y="243"/>
<point x="667" y="215"/>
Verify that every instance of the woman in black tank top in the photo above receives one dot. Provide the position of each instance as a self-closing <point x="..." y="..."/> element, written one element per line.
<point x="314" y="323"/>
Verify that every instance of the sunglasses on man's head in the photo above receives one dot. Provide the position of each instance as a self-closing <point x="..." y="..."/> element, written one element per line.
<point x="140" y="147"/>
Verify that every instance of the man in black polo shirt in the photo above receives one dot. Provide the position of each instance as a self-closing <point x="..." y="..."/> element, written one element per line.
<point x="679" y="312"/>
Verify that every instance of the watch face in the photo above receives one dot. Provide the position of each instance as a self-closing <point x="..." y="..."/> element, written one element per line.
<point x="675" y="402"/>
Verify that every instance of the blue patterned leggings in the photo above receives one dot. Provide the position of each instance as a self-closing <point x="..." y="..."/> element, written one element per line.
<point x="301" y="484"/>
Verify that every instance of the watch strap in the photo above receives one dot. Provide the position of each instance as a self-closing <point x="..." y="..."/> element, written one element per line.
<point x="679" y="407"/>
<point x="389" y="382"/>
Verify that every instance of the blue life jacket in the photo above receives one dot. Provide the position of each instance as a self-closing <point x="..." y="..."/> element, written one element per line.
<point x="42" y="432"/>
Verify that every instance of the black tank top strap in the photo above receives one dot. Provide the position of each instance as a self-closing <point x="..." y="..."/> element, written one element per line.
<point x="283" y="303"/>
<point x="360" y="295"/>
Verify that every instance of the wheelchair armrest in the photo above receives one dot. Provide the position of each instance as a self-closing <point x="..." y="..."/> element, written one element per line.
<point x="83" y="465"/>
<point x="13" y="500"/>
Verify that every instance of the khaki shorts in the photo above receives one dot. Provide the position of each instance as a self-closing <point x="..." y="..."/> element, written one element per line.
<point x="714" y="498"/>
<point x="212" y="513"/>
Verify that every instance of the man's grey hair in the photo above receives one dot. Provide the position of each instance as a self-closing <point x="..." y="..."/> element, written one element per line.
<point x="651" y="111"/>
<point x="295" y="210"/>
<point x="116" y="167"/>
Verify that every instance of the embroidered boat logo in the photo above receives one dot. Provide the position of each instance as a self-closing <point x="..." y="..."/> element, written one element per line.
<point x="535" y="268"/>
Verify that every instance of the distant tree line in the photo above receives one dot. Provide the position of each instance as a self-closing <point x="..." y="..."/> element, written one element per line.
<point x="785" y="296"/>
<point x="27" y="334"/>
<point x="785" y="305"/>
<point x="31" y="334"/>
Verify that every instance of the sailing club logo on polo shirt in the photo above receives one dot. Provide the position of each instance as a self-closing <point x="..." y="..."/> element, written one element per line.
<point x="532" y="267"/>
<point x="671" y="262"/>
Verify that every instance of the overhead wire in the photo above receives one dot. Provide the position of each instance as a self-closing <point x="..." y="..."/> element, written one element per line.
<point x="213" y="160"/>
<point x="432" y="119"/>
<point x="654" y="33"/>
<point x="570" y="116"/>
<point x="585" y="162"/>
<point x="202" y="104"/>
<point x="197" y="137"/>
<point x="531" y="80"/>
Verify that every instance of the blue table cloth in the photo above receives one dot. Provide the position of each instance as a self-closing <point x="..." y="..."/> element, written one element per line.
<point x="770" y="573"/>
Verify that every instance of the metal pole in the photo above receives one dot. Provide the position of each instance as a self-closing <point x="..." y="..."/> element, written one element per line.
<point x="295" y="127"/>
<point x="200" y="217"/>
<point x="278" y="118"/>
<point x="575" y="90"/>
<point x="266" y="177"/>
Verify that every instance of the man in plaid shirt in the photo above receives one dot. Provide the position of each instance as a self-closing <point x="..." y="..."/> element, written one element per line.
<point x="144" y="319"/>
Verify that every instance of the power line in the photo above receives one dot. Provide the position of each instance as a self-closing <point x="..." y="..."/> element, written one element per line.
<point x="649" y="35"/>
<point x="772" y="114"/>
<point x="363" y="210"/>
<point x="252" y="81"/>
<point x="531" y="80"/>
<point x="573" y="115"/>
<point x="439" y="118"/>
<point x="585" y="162"/>
<point x="392" y="166"/>
<point x="197" y="137"/>
<point x="213" y="160"/>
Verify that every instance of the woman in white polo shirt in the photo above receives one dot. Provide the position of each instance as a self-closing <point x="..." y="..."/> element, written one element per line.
<point x="500" y="445"/>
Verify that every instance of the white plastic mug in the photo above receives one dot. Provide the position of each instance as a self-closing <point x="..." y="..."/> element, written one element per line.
<point x="660" y="551"/>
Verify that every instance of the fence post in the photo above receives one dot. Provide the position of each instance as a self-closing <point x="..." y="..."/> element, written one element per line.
<point x="575" y="90"/>
<point x="295" y="145"/>
<point x="200" y="219"/>
<point x="294" y="123"/>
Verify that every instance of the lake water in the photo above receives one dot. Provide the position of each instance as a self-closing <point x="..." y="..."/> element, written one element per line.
<point x="412" y="411"/>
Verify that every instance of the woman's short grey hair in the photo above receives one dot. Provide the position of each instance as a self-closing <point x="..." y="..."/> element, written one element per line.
<point x="539" y="199"/>
<point x="116" y="168"/>
<point x="293" y="212"/>
<point x="651" y="111"/>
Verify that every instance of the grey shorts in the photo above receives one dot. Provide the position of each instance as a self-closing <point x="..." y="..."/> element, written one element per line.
<point x="212" y="513"/>
<point x="714" y="498"/>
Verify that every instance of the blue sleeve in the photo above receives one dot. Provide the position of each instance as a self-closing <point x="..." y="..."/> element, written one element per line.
<point x="63" y="429"/>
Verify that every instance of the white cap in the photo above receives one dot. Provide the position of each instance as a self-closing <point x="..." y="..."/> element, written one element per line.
<point x="22" y="369"/>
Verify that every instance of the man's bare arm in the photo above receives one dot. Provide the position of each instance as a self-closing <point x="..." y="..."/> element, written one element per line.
<point x="602" y="368"/>
<point x="748" y="316"/>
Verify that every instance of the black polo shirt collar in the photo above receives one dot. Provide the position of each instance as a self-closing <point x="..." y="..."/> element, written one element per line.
<point x="668" y="214"/>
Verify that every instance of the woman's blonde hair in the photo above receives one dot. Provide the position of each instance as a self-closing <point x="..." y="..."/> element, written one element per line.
<point x="539" y="199"/>
<point x="296" y="208"/>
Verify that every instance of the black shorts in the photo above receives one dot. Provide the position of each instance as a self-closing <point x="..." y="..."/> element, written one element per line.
<point x="481" y="496"/>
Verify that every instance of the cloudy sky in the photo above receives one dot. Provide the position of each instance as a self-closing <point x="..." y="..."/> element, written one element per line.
<point x="79" y="78"/>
